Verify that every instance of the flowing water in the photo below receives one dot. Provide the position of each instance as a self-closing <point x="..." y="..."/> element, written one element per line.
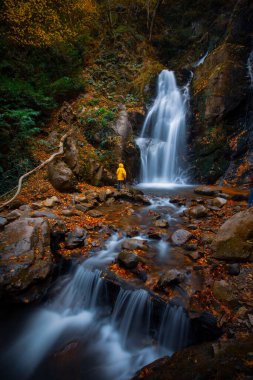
<point x="162" y="141"/>
<point x="115" y="339"/>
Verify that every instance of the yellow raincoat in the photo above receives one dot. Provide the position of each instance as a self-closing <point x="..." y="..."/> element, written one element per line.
<point x="121" y="173"/>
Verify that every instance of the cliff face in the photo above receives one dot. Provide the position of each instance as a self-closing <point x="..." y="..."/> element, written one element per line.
<point x="221" y="137"/>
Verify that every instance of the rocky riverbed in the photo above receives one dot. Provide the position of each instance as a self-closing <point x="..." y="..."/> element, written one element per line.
<point x="192" y="247"/>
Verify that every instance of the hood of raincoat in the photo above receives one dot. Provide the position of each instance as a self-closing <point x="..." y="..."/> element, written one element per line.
<point x="121" y="166"/>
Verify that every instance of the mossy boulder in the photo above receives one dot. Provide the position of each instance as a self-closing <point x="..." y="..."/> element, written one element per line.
<point x="234" y="240"/>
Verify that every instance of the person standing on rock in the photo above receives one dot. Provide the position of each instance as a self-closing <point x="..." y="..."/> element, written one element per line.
<point x="121" y="176"/>
<point x="250" y="202"/>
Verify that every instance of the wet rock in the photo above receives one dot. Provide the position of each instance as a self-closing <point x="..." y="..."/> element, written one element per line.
<point x="13" y="215"/>
<point x="234" y="240"/>
<point x="76" y="238"/>
<point x="161" y="223"/>
<point x="3" y="222"/>
<point x="234" y="269"/>
<point x="180" y="237"/>
<point x="128" y="259"/>
<point x="25" y="257"/>
<point x="44" y="214"/>
<point x="170" y="278"/>
<point x="132" y="244"/>
<point x="218" y="202"/>
<point x="141" y="199"/>
<point x="61" y="176"/>
<point x="197" y="212"/>
<point x="205" y="190"/>
<point x="95" y="213"/>
<point x="51" y="202"/>
<point x="222" y="291"/>
<point x="154" y="235"/>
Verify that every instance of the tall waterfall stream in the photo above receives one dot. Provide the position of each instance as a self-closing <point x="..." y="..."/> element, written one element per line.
<point x="162" y="141"/>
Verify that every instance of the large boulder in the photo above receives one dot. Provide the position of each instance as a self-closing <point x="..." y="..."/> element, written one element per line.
<point x="26" y="258"/>
<point x="234" y="240"/>
<point x="61" y="176"/>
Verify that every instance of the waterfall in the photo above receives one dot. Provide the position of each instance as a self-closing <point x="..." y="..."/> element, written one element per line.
<point x="163" y="138"/>
<point x="118" y="337"/>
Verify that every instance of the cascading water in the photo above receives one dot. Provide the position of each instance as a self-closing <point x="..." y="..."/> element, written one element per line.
<point x="163" y="138"/>
<point x="116" y="343"/>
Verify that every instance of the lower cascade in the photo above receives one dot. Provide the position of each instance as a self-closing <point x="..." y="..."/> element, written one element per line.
<point x="115" y="338"/>
<point x="162" y="141"/>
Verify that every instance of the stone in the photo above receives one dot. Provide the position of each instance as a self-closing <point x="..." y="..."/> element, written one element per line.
<point x="180" y="237"/>
<point x="26" y="208"/>
<point x="95" y="213"/>
<point x="205" y="190"/>
<point x="45" y="214"/>
<point x="76" y="238"/>
<point x="197" y="212"/>
<point x="161" y="223"/>
<point x="102" y="197"/>
<point x="142" y="199"/>
<point x="222" y="291"/>
<point x="25" y="256"/>
<point x="109" y="201"/>
<point x="234" y="240"/>
<point x="132" y="244"/>
<point x="128" y="259"/>
<point x="154" y="235"/>
<point x="51" y="202"/>
<point x="3" y="222"/>
<point x="234" y="269"/>
<point x="36" y="205"/>
<point x="170" y="278"/>
<point x="192" y="227"/>
<point x="70" y="212"/>
<point x="61" y="176"/>
<point x="218" y="202"/>
<point x="13" y="215"/>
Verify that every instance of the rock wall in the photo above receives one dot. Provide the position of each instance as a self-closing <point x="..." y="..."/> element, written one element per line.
<point x="221" y="138"/>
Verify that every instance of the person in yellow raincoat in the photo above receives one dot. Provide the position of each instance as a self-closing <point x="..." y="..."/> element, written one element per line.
<point x="121" y="176"/>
